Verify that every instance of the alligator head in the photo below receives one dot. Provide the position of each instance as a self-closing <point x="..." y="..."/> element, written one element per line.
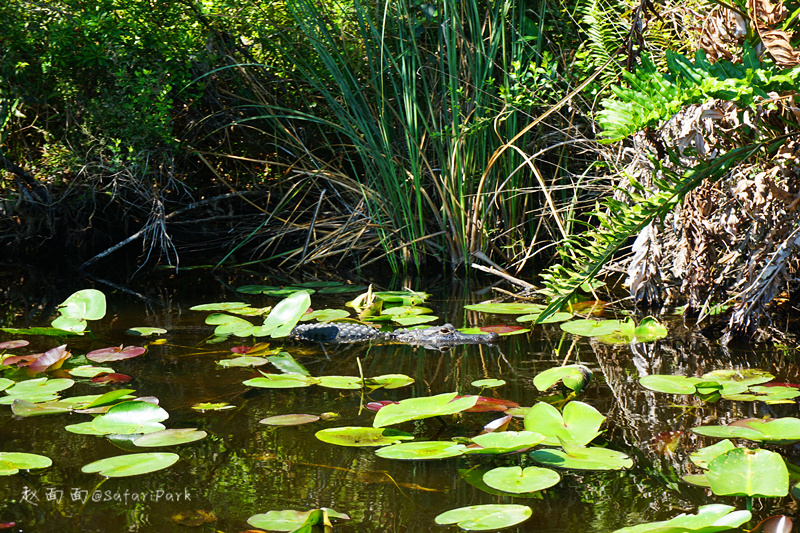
<point x="441" y="336"/>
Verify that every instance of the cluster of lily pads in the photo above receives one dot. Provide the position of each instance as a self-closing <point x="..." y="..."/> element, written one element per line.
<point x="132" y="423"/>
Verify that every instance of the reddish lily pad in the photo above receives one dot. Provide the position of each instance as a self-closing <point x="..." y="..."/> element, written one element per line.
<point x="112" y="377"/>
<point x="115" y="353"/>
<point x="10" y="345"/>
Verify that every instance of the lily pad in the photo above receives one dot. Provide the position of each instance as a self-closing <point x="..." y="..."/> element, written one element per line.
<point x="244" y="361"/>
<point x="89" y="371"/>
<point x="704" y="456"/>
<point x="131" y="465"/>
<point x="285" y="315"/>
<point x="169" y="437"/>
<point x="709" y="519"/>
<point x="596" y="328"/>
<point x="389" y="381"/>
<point x="670" y="384"/>
<point x="144" y="331"/>
<point x="424" y="407"/>
<point x="506" y="308"/>
<point x="777" y="431"/>
<point x="580" y="422"/>
<point x="38" y="387"/>
<point x="583" y="458"/>
<point x="746" y="472"/>
<point x="499" y="442"/>
<point x="488" y="383"/>
<point x="281" y="381"/>
<point x="289" y="420"/>
<point x="88" y="304"/>
<point x="219" y="306"/>
<point x="12" y="462"/>
<point x="339" y="382"/>
<point x="299" y="521"/>
<point x="10" y="345"/>
<point x="131" y="417"/>
<point x="115" y="353"/>
<point x="574" y="377"/>
<point x="423" y="450"/>
<point x="485" y="517"/>
<point x="230" y="325"/>
<point x="516" y="480"/>
<point x="325" y="315"/>
<point x="212" y="406"/>
<point x="362" y="436"/>
<point x="552" y="319"/>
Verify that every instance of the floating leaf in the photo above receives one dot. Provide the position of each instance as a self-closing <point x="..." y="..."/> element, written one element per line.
<point x="649" y="329"/>
<point x="89" y="371"/>
<point x="10" y="345"/>
<point x="580" y="422"/>
<point x="583" y="458"/>
<point x="389" y="381"/>
<point x="424" y="407"/>
<point x="238" y="362"/>
<point x="516" y="480"/>
<point x="25" y="408"/>
<point x="574" y="377"/>
<point x="596" y="328"/>
<point x="287" y="364"/>
<point x="219" y="306"/>
<point x="670" y="384"/>
<point x="281" y="381"/>
<point x="342" y="289"/>
<point x="552" y="319"/>
<point x="745" y="472"/>
<point x="300" y="521"/>
<point x="115" y="353"/>
<point x="88" y="304"/>
<point x="110" y="397"/>
<point x="208" y="406"/>
<point x="49" y="332"/>
<point x="747" y="376"/>
<point x="506" y="308"/>
<point x="289" y="420"/>
<point x="498" y="442"/>
<point x="169" y="437"/>
<point x="485" y="517"/>
<point x="131" y="465"/>
<point x="50" y="360"/>
<point x="703" y="456"/>
<point x="339" y="382"/>
<point x="325" y="315"/>
<point x="488" y="383"/>
<point x="13" y="462"/>
<point x="777" y="431"/>
<point x="362" y="436"/>
<point x="131" y="417"/>
<point x="144" y="331"/>
<point x="38" y="387"/>
<point x="285" y="314"/>
<point x="230" y="325"/>
<point x="423" y="450"/>
<point x="709" y="519"/>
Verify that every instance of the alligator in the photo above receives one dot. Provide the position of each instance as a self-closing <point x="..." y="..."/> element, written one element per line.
<point x="344" y="332"/>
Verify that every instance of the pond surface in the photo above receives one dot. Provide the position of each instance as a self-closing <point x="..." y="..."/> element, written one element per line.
<point x="243" y="468"/>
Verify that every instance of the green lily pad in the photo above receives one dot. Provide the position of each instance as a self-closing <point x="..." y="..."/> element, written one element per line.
<point x="325" y="315"/>
<point x="516" y="480"/>
<point x="12" y="462"/>
<point x="36" y="390"/>
<point x="552" y="319"/>
<point x="709" y="519"/>
<point x="212" y="406"/>
<point x="86" y="428"/>
<point x="285" y="315"/>
<point x="748" y="376"/>
<point x="769" y="395"/>
<point x="423" y="450"/>
<point x="243" y="361"/>
<point x="670" y="384"/>
<point x="580" y="422"/>
<point x="424" y="407"/>
<point x="110" y="397"/>
<point x="169" y="437"/>
<point x="574" y="377"/>
<point x="287" y="364"/>
<point x="219" y="306"/>
<point x="746" y="472"/>
<point x="485" y="517"/>
<point x="230" y="325"/>
<point x="488" y="383"/>
<point x="25" y="408"/>
<point x="389" y="381"/>
<point x="777" y="431"/>
<point x="48" y="332"/>
<point x="89" y="371"/>
<point x="6" y="383"/>
<point x="596" y="328"/>
<point x="648" y="330"/>
<point x="362" y="436"/>
<point x="299" y="521"/>
<point x="704" y="456"/>
<point x="415" y="320"/>
<point x="507" y="308"/>
<point x="498" y="442"/>
<point x="401" y="297"/>
<point x="343" y="289"/>
<point x="131" y="465"/>
<point x="88" y="304"/>
<point x="339" y="382"/>
<point x="131" y="417"/>
<point x="583" y="458"/>
<point x="289" y="420"/>
<point x="281" y="381"/>
<point x="144" y="331"/>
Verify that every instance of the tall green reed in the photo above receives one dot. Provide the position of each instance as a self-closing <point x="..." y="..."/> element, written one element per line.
<point x="413" y="100"/>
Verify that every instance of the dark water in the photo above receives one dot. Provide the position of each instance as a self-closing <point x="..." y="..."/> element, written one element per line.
<point x="243" y="468"/>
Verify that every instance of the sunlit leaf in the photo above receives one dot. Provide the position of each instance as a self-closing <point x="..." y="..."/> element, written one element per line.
<point x="169" y="437"/>
<point x="115" y="353"/>
<point x="516" y="480"/>
<point x="485" y="517"/>
<point x="709" y="519"/>
<point x="424" y="407"/>
<point x="131" y="465"/>
<point x="289" y="420"/>
<point x="362" y="436"/>
<point x="13" y="462"/>
<point x="420" y="451"/>
<point x="746" y="472"/>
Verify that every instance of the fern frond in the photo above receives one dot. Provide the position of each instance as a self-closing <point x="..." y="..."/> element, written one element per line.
<point x="586" y="254"/>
